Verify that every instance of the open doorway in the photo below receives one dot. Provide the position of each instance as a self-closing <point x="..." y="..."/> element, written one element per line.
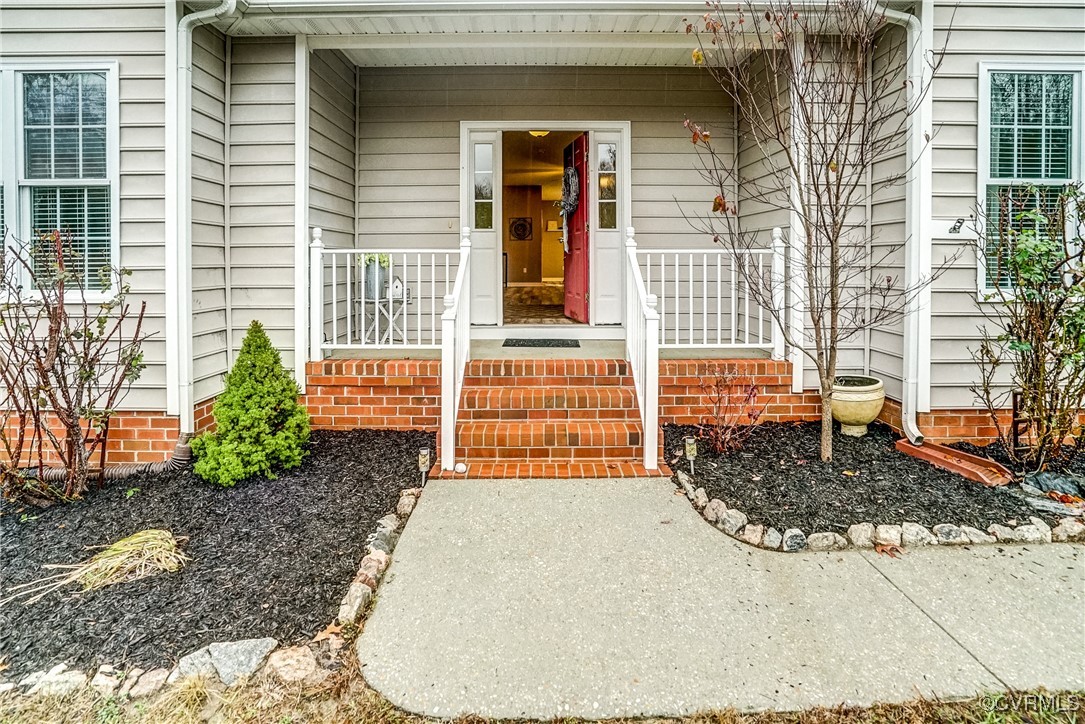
<point x="543" y="271"/>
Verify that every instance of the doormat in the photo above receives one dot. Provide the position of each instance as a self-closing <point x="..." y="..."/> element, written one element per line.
<point x="541" y="343"/>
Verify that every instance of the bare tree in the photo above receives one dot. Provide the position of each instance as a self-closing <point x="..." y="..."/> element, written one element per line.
<point x="67" y="356"/>
<point x="822" y="94"/>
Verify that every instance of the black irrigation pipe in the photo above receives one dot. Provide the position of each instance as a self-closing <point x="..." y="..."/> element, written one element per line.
<point x="181" y="458"/>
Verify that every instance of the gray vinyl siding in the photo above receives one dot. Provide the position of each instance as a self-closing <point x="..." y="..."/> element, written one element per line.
<point x="209" y="278"/>
<point x="332" y="147"/>
<point x="409" y="141"/>
<point x="262" y="189"/>
<point x="1040" y="31"/>
<point x="130" y="33"/>
<point x="888" y="210"/>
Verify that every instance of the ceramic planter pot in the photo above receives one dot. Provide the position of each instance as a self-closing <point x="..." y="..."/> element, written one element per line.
<point x="857" y="400"/>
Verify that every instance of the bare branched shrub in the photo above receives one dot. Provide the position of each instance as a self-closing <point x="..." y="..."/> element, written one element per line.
<point x="1035" y="323"/>
<point x="733" y="409"/>
<point x="823" y="96"/>
<point x="70" y="347"/>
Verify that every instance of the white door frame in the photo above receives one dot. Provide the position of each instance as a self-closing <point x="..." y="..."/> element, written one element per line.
<point x="625" y="206"/>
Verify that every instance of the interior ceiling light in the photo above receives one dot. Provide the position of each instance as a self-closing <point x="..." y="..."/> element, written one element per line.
<point x="539" y="134"/>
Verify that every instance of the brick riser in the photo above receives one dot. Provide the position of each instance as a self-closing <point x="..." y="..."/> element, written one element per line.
<point x="517" y="413"/>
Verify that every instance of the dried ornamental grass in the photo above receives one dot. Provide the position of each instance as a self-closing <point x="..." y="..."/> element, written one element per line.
<point x="142" y="554"/>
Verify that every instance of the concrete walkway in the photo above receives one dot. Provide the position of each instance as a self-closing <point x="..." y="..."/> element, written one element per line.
<point x="608" y="598"/>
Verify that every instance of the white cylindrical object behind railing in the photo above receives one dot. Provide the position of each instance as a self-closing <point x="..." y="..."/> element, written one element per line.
<point x="316" y="295"/>
<point x="448" y="385"/>
<point x="777" y="280"/>
<point x="651" y="384"/>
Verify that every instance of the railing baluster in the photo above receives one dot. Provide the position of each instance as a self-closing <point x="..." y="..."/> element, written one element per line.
<point x="335" y="304"/>
<point x="719" y="300"/>
<point x="704" y="299"/>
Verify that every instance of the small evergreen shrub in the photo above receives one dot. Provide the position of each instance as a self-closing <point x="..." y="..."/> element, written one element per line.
<point x="259" y="423"/>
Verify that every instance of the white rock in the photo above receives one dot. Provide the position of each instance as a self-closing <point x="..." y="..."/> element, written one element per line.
<point x="793" y="540"/>
<point x="294" y="664"/>
<point x="1002" y="533"/>
<point x="131" y="676"/>
<point x="861" y="535"/>
<point x="826" y="541"/>
<point x="887" y="535"/>
<point x="772" y="540"/>
<point x="58" y="682"/>
<point x="1044" y="528"/>
<point x="461" y="468"/>
<point x="714" y="510"/>
<point x="354" y="603"/>
<point x="6" y="687"/>
<point x="405" y="506"/>
<point x="149" y="683"/>
<point x="30" y="679"/>
<point x="948" y="534"/>
<point x="752" y="534"/>
<point x="732" y="521"/>
<point x="913" y="535"/>
<point x="686" y="482"/>
<point x="197" y="663"/>
<point x="976" y="536"/>
<point x="1068" y="529"/>
<point x="106" y="680"/>
<point x="1030" y="534"/>
<point x="700" y="498"/>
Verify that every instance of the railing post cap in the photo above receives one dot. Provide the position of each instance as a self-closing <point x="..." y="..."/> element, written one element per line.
<point x="777" y="232"/>
<point x="449" y="301"/>
<point x="466" y="231"/>
<point x="630" y="231"/>
<point x="318" y="233"/>
<point x="651" y="300"/>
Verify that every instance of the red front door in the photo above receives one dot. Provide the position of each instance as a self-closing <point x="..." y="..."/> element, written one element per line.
<point x="577" y="235"/>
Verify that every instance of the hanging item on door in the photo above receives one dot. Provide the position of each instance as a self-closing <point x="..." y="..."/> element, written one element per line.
<point x="570" y="193"/>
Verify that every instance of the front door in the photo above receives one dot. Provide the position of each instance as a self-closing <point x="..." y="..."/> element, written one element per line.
<point x="577" y="233"/>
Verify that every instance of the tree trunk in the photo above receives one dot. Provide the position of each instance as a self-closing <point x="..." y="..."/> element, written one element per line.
<point x="826" y="422"/>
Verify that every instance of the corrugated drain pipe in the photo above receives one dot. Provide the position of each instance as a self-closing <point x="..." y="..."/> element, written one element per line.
<point x="181" y="458"/>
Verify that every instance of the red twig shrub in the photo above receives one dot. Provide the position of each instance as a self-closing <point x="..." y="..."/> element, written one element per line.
<point x="733" y="409"/>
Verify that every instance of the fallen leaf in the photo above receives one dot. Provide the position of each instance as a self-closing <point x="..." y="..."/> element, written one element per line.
<point x="888" y="549"/>
<point x="850" y="473"/>
<point x="332" y="630"/>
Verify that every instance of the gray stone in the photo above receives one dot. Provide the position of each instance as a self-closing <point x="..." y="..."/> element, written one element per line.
<point x="1029" y="534"/>
<point x="887" y="535"/>
<point x="752" y="534"/>
<point x="295" y="664"/>
<point x="197" y="663"/>
<point x="58" y="681"/>
<point x="405" y="506"/>
<point x="1068" y="529"/>
<point x="913" y="535"/>
<point x="1030" y="490"/>
<point x="105" y="680"/>
<point x="976" y="536"/>
<point x="826" y="541"/>
<point x="700" y="498"/>
<point x="131" y="676"/>
<point x="235" y="659"/>
<point x="948" y="534"/>
<point x="714" y="510"/>
<point x="793" y="540"/>
<point x="374" y="545"/>
<point x="732" y="521"/>
<point x="371" y="568"/>
<point x="30" y="679"/>
<point x="861" y="535"/>
<point x="354" y="603"/>
<point x="149" y="683"/>
<point x="1044" y="528"/>
<point x="1002" y="533"/>
<point x="772" y="539"/>
<point x="687" y="483"/>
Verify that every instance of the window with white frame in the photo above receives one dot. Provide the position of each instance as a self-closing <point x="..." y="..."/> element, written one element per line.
<point x="59" y="162"/>
<point x="1031" y="123"/>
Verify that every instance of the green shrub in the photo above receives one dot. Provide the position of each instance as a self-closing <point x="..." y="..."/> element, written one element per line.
<point x="259" y="423"/>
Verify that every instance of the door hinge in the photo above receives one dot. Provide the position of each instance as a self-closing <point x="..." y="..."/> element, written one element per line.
<point x="586" y="295"/>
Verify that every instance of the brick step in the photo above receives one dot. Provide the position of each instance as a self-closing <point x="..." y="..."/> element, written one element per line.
<point x="555" y="441"/>
<point x="542" y="403"/>
<point x="519" y="470"/>
<point x="547" y="373"/>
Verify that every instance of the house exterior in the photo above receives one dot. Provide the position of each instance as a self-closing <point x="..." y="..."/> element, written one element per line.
<point x="244" y="159"/>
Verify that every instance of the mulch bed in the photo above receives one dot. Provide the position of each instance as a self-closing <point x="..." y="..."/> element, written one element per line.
<point x="779" y="480"/>
<point x="269" y="557"/>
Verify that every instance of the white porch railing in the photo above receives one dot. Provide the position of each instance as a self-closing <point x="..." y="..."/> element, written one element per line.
<point x="378" y="298"/>
<point x="642" y="349"/>
<point x="704" y="300"/>
<point x="455" y="351"/>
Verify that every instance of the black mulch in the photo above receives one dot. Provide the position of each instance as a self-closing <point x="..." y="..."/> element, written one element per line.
<point x="996" y="452"/>
<point x="269" y="557"/>
<point x="778" y="480"/>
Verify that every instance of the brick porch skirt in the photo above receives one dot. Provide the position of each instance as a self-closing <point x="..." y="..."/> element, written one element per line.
<point x="134" y="437"/>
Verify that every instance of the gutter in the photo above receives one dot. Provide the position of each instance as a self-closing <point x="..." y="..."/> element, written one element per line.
<point x="182" y="218"/>
<point x="917" y="251"/>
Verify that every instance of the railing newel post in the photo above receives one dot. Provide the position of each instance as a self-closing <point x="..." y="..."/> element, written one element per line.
<point x="316" y="295"/>
<point x="778" y="282"/>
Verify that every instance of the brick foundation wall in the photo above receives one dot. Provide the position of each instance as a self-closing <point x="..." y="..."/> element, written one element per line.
<point x="202" y="419"/>
<point x="134" y="437"/>
<point x="683" y="402"/>
<point x="387" y="394"/>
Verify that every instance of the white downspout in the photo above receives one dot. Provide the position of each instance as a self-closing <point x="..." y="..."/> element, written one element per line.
<point x="917" y="250"/>
<point x="179" y="300"/>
